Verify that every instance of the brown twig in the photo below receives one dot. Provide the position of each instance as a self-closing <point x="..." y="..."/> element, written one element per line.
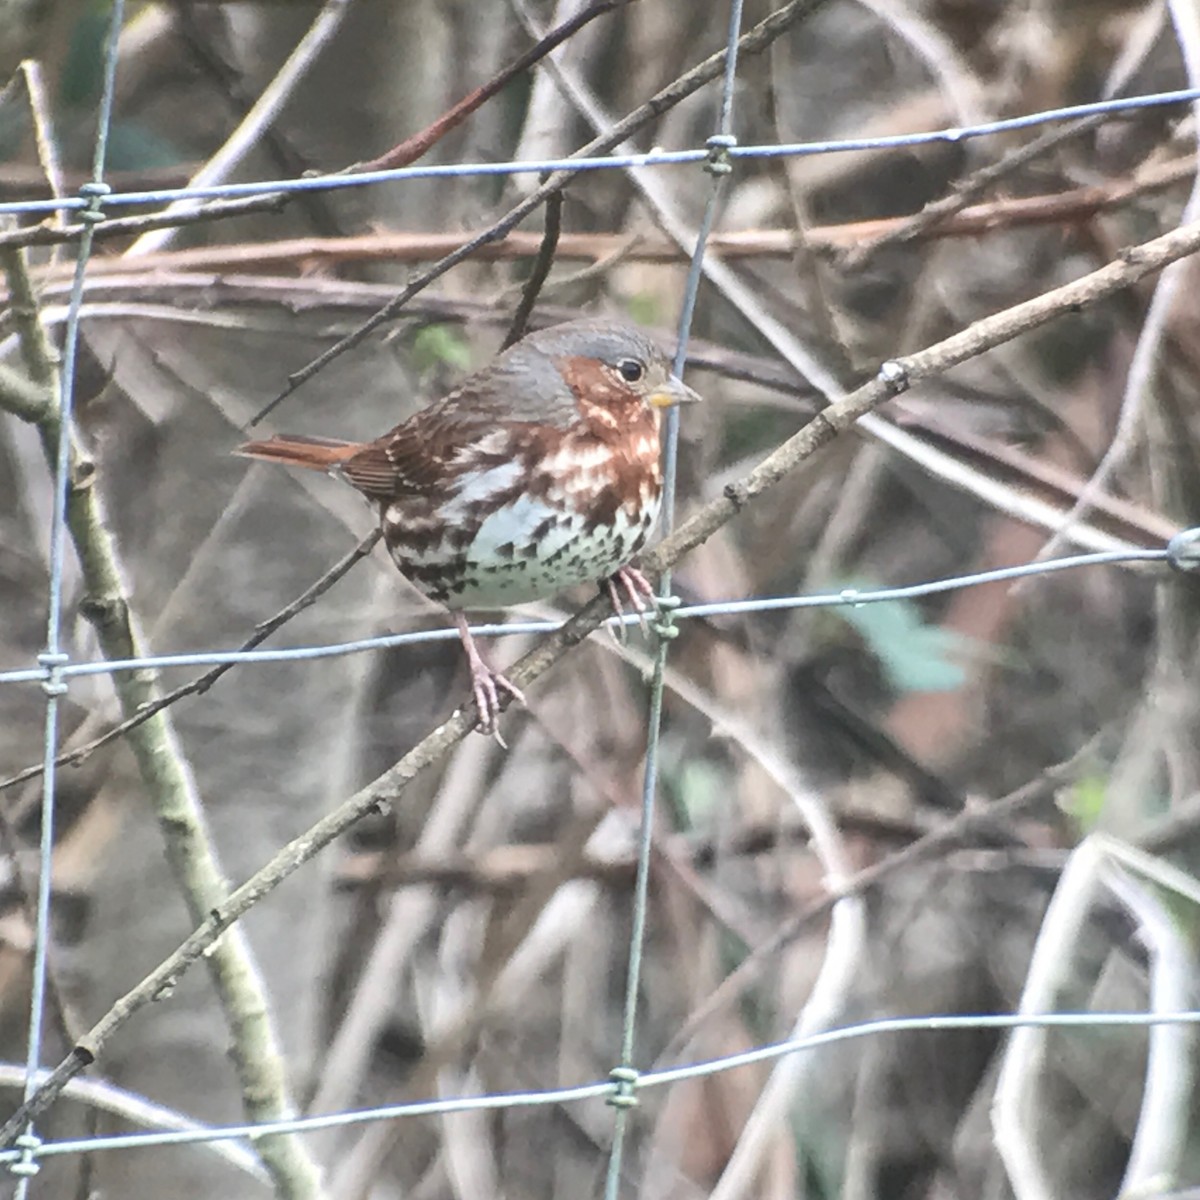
<point x="1075" y="205"/>
<point x="409" y="150"/>
<point x="1133" y="265"/>
<point x="966" y="190"/>
<point x="541" y="269"/>
<point x="202" y="683"/>
<point x="1072" y="206"/>
<point x="53" y="235"/>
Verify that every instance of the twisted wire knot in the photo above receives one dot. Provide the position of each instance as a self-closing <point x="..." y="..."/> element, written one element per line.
<point x="1183" y="550"/>
<point x="664" y="625"/>
<point x="625" y="1080"/>
<point x="94" y="193"/>
<point x="718" y="161"/>
<point x="27" y="1165"/>
<point x="53" y="684"/>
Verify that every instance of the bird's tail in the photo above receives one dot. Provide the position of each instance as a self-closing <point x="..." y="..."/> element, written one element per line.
<point x="297" y="450"/>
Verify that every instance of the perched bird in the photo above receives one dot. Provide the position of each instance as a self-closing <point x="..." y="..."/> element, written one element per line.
<point x="538" y="472"/>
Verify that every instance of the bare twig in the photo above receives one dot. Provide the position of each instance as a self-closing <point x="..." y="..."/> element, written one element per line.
<point x="215" y="210"/>
<point x="167" y="780"/>
<point x="202" y="683"/>
<point x="541" y="268"/>
<point x="1075" y="205"/>
<point x="266" y="108"/>
<point x="137" y="1110"/>
<point x="414" y="147"/>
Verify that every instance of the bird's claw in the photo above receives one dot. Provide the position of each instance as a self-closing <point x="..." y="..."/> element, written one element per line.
<point x="640" y="594"/>
<point x="486" y="686"/>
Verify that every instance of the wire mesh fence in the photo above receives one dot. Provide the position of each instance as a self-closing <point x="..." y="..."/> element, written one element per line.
<point x="216" y="909"/>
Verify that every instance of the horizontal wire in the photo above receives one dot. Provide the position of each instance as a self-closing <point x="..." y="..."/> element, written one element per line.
<point x="592" y="1091"/>
<point x="846" y="597"/>
<point x="325" y="183"/>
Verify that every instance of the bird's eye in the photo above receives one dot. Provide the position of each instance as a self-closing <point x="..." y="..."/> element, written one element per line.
<point x="631" y="370"/>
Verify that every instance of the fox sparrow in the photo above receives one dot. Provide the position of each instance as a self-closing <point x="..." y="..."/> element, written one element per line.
<point x="538" y="472"/>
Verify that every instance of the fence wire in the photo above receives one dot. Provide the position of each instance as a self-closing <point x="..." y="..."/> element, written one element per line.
<point x="54" y="668"/>
<point x="611" y="162"/>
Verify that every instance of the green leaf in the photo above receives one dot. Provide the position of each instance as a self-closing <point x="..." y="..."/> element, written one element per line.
<point x="1084" y="802"/>
<point x="644" y="308"/>
<point x="700" y="787"/>
<point x="440" y="345"/>
<point x="916" y="656"/>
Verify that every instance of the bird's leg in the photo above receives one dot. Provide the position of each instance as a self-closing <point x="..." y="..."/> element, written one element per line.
<point x="485" y="683"/>
<point x="637" y="589"/>
<point x="617" y="632"/>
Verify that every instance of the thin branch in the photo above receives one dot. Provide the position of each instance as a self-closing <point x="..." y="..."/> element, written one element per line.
<point x="137" y="1110"/>
<point x="541" y="269"/>
<point x="202" y="683"/>
<point x="164" y="774"/>
<point x="43" y="125"/>
<point x="112" y="227"/>
<point x="414" y="147"/>
<point x="266" y="108"/>
<point x="1135" y="264"/>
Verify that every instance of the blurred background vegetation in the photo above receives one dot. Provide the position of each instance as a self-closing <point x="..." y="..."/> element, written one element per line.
<point x="475" y="939"/>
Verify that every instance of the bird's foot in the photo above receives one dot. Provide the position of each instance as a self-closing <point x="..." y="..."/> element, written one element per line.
<point x="638" y="591"/>
<point x="486" y="686"/>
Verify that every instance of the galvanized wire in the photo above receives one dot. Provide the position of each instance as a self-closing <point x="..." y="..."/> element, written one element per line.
<point x="625" y="1075"/>
<point x="53" y="658"/>
<point x="605" y="1089"/>
<point x="843" y="598"/>
<point x="613" y="162"/>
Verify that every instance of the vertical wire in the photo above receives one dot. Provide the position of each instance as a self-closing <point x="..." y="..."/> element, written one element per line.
<point x="625" y="1075"/>
<point x="53" y="658"/>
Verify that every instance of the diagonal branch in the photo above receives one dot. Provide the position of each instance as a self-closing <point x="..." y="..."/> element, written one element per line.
<point x="414" y="147"/>
<point x="201" y="684"/>
<point x="165" y="775"/>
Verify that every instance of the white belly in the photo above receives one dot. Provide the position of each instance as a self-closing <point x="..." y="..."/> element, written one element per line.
<point x="524" y="551"/>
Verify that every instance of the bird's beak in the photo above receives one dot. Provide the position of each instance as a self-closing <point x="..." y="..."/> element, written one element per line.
<point x="673" y="392"/>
